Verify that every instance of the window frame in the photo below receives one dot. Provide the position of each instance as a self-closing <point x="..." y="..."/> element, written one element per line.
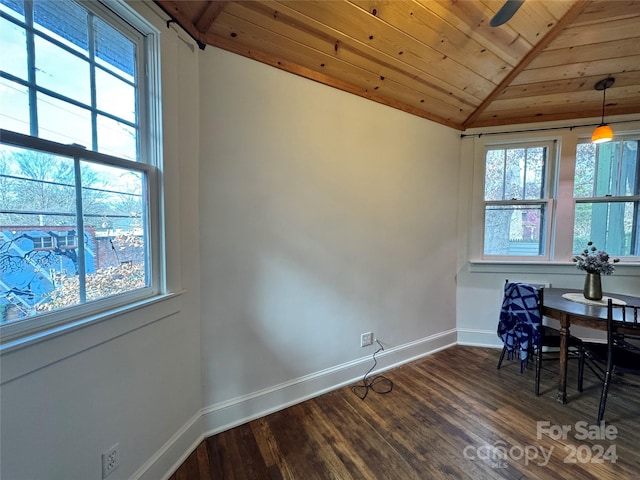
<point x="123" y="18"/>
<point x="547" y="199"/>
<point x="615" y="199"/>
<point x="561" y="176"/>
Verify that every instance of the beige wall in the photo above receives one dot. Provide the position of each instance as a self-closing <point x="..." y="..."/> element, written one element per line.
<point x="323" y="216"/>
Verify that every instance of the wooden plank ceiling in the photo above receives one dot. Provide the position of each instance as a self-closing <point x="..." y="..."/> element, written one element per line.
<point x="440" y="59"/>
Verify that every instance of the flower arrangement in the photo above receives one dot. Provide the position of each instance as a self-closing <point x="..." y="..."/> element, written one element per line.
<point x="593" y="260"/>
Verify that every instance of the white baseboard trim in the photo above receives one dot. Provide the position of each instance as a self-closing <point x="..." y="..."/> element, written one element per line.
<point x="174" y="452"/>
<point x="479" y="338"/>
<point x="489" y="339"/>
<point x="237" y="411"/>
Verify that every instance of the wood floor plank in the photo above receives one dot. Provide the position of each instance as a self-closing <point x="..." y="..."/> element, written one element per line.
<point x="450" y="415"/>
<point x="202" y="457"/>
<point x="417" y="434"/>
<point x="273" y="458"/>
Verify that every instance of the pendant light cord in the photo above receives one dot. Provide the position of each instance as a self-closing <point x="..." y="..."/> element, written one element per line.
<point x="604" y="95"/>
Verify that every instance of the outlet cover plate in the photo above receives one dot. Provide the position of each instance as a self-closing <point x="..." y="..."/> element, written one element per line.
<point x="366" y="339"/>
<point x="110" y="460"/>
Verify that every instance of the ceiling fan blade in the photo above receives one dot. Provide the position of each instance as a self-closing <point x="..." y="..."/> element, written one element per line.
<point x="506" y="12"/>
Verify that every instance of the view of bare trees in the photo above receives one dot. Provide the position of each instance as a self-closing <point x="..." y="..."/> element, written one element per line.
<point x="40" y="264"/>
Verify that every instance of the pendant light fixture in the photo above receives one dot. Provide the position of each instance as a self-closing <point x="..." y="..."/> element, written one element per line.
<point x="603" y="132"/>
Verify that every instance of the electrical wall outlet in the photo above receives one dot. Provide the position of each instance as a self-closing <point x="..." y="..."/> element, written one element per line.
<point x="366" y="339"/>
<point x="110" y="460"/>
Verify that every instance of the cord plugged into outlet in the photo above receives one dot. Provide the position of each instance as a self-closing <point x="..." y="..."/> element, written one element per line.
<point x="379" y="384"/>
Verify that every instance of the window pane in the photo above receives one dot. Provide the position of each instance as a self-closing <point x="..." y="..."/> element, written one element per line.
<point x="114" y="210"/>
<point x="62" y="72"/>
<point x="514" y="168"/>
<point x="585" y="170"/>
<point x="612" y="226"/>
<point x="14" y="113"/>
<point x="42" y="264"/>
<point x="534" y="173"/>
<point x="630" y="169"/>
<point x="115" y="51"/>
<point x="515" y="173"/>
<point x="13" y="58"/>
<point x="15" y="8"/>
<point x="115" y="96"/>
<point x="116" y="138"/>
<point x="514" y="230"/>
<point x="37" y="204"/>
<point x="64" y="21"/>
<point x="39" y="182"/>
<point x="62" y="122"/>
<point x="494" y="175"/>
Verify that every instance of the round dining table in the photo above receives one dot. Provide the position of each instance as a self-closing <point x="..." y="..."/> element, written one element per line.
<point x="569" y="307"/>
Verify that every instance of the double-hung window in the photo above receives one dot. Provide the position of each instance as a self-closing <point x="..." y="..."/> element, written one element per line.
<point x="539" y="207"/>
<point x="606" y="192"/>
<point x="517" y="201"/>
<point x="78" y="162"/>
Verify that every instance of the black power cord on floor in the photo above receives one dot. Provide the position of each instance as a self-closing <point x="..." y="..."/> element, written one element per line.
<point x="379" y="384"/>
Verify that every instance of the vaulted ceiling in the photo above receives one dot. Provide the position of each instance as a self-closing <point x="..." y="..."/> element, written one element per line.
<point x="440" y="59"/>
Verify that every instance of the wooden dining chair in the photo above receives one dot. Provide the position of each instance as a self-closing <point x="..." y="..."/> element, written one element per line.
<point x="612" y="361"/>
<point x="521" y="329"/>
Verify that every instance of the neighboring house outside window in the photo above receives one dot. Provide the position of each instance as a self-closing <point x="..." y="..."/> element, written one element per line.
<point x="76" y="155"/>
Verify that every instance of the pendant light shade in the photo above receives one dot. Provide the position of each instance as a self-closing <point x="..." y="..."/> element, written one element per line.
<point x="603" y="132"/>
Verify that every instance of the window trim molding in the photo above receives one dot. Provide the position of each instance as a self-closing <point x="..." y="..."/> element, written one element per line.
<point x="476" y="249"/>
<point x="36" y="329"/>
<point x="563" y="204"/>
<point x="626" y="269"/>
<point x="72" y="338"/>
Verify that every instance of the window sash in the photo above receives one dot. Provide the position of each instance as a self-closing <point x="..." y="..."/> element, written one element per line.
<point x="615" y="168"/>
<point x="48" y="242"/>
<point x="546" y="200"/>
<point x="36" y="91"/>
<point x="612" y="177"/>
<point x="622" y="226"/>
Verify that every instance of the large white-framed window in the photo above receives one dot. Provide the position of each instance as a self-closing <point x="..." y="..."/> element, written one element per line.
<point x="584" y="193"/>
<point x="606" y="192"/>
<point x="79" y="162"/>
<point x="517" y="200"/>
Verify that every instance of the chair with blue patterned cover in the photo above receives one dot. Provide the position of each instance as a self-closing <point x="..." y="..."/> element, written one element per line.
<point x="521" y="329"/>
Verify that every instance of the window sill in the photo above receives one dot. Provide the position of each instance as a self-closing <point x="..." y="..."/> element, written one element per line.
<point x="537" y="266"/>
<point x="19" y="358"/>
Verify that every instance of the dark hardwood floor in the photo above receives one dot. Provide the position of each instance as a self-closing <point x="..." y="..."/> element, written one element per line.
<point x="450" y="415"/>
